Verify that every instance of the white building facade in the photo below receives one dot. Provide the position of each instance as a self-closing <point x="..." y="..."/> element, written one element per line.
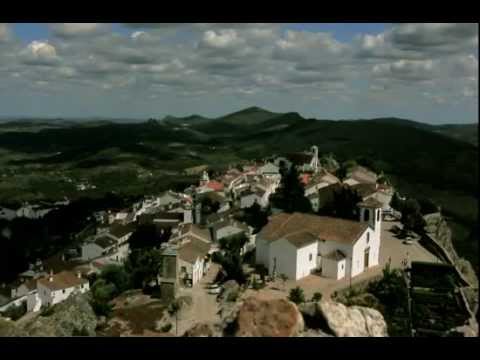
<point x="299" y="244"/>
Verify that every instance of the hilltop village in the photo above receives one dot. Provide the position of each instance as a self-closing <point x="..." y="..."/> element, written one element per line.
<point x="287" y="228"/>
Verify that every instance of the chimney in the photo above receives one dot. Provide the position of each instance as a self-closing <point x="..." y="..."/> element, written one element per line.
<point x="79" y="274"/>
<point x="50" y="277"/>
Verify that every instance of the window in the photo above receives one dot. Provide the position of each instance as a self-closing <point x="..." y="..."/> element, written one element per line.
<point x="368" y="237"/>
<point x="342" y="266"/>
<point x="63" y="291"/>
<point x="378" y="215"/>
<point x="366" y="215"/>
<point x="183" y="269"/>
<point x="310" y="257"/>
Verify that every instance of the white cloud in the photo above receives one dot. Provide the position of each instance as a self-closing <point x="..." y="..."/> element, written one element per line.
<point x="72" y="30"/>
<point x="409" y="70"/>
<point x="221" y="39"/>
<point x="39" y="53"/>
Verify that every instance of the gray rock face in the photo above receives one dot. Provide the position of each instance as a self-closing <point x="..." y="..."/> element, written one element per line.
<point x="348" y="321"/>
<point x="231" y="290"/>
<point x="72" y="317"/>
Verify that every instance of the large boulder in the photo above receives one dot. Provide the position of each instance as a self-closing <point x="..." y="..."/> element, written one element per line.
<point x="204" y="330"/>
<point x="269" y="318"/>
<point x="353" y="320"/>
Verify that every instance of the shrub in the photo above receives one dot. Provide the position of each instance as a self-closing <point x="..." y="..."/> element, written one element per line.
<point x="297" y="295"/>
<point x="166" y="327"/>
<point x="47" y="311"/>
<point x="101" y="308"/>
<point x="317" y="297"/>
<point x="80" y="332"/>
<point x="15" y="312"/>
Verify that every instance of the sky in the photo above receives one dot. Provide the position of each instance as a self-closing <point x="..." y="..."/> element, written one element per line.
<point x="425" y="72"/>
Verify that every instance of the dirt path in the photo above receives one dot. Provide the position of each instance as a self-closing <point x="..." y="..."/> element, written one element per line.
<point x="204" y="307"/>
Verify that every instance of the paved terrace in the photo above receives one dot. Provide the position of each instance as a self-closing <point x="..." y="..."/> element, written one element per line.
<point x="391" y="247"/>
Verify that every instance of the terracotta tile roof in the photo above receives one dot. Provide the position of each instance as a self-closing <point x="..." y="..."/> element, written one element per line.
<point x="305" y="178"/>
<point x="371" y="203"/>
<point x="301" y="239"/>
<point x="362" y="174"/>
<point x="364" y="189"/>
<point x="105" y="241"/>
<point x="62" y="280"/>
<point x="196" y="231"/>
<point x="120" y="230"/>
<point x="215" y="185"/>
<point x="216" y="196"/>
<point x="323" y="227"/>
<point x="193" y="250"/>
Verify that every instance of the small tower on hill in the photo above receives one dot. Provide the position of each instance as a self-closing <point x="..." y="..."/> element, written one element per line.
<point x="204" y="179"/>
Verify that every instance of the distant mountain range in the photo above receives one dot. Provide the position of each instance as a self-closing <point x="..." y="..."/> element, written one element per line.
<point x="251" y="116"/>
<point x="256" y="116"/>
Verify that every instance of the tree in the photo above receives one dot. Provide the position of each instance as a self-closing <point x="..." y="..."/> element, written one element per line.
<point x="343" y="204"/>
<point x="427" y="206"/>
<point x="291" y="195"/>
<point x="102" y="292"/>
<point x="344" y="168"/>
<point x="396" y="202"/>
<point x="209" y="206"/>
<point x="317" y="297"/>
<point x="391" y="289"/>
<point x="234" y="243"/>
<point x="147" y="236"/>
<point x="255" y="217"/>
<point x="116" y="275"/>
<point x="297" y="295"/>
<point x="144" y="266"/>
<point x="412" y="218"/>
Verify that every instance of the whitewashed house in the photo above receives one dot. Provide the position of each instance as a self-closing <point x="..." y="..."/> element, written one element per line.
<point x="104" y="246"/>
<point x="192" y="261"/>
<point x="8" y="214"/>
<point x="248" y="198"/>
<point x="56" y="288"/>
<point x="227" y="228"/>
<point x="299" y="244"/>
<point x="269" y="170"/>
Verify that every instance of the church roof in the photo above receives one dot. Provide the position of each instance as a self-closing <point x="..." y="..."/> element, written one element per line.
<point x="193" y="250"/>
<point x="322" y="227"/>
<point x="364" y="189"/>
<point x="301" y="239"/>
<point x="62" y="280"/>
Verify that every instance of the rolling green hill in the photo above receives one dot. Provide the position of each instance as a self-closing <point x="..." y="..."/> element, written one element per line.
<point x="136" y="158"/>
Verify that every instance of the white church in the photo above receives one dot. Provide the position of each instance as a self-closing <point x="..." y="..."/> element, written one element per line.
<point x="298" y="244"/>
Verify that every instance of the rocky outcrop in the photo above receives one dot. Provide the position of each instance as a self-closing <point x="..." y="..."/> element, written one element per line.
<point x="344" y="321"/>
<point x="231" y="291"/>
<point x="437" y="228"/>
<point x="269" y="318"/>
<point x="73" y="317"/>
<point x="204" y="330"/>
